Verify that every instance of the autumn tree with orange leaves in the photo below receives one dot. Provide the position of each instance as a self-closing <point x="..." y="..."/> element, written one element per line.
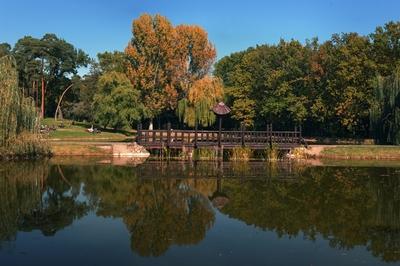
<point x="165" y="61"/>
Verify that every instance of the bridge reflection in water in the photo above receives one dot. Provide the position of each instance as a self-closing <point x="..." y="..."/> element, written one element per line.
<point x="165" y="204"/>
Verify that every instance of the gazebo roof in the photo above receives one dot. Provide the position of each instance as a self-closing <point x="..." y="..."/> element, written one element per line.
<point x="221" y="109"/>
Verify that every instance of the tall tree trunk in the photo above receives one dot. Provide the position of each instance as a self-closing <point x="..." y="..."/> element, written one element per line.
<point x="37" y="93"/>
<point x="43" y="94"/>
<point x="33" y="90"/>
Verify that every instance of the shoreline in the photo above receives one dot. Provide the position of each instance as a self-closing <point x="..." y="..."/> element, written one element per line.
<point x="131" y="149"/>
<point x="353" y="152"/>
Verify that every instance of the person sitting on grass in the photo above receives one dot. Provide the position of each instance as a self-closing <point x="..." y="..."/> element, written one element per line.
<point x="91" y="129"/>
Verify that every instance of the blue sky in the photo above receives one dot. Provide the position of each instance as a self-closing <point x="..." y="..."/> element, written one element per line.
<point x="233" y="25"/>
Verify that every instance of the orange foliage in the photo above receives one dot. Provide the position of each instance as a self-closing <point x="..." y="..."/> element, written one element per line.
<point x="195" y="54"/>
<point x="206" y="89"/>
<point x="165" y="60"/>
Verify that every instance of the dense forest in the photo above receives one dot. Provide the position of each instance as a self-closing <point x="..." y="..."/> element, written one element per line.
<point x="334" y="88"/>
<point x="346" y="86"/>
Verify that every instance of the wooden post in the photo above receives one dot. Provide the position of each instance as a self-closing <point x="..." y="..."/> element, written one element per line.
<point x="195" y="134"/>
<point x="168" y="134"/>
<point x="220" y="153"/>
<point x="270" y="135"/>
<point x="139" y="132"/>
<point x="43" y="96"/>
<point x="300" y="134"/>
<point x="300" y="131"/>
<point x="242" y="133"/>
<point x="219" y="131"/>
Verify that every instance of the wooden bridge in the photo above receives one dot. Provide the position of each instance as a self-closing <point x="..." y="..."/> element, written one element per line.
<point x="181" y="139"/>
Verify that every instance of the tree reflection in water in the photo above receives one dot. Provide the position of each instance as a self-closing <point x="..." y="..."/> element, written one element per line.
<point x="157" y="212"/>
<point x="347" y="206"/>
<point x="165" y="204"/>
<point x="31" y="199"/>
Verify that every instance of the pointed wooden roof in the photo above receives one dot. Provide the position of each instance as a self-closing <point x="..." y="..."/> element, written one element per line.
<point x="221" y="109"/>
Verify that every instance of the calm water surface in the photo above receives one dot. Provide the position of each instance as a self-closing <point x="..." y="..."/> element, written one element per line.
<point x="57" y="213"/>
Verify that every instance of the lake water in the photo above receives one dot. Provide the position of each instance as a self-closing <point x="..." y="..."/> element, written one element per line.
<point x="159" y="213"/>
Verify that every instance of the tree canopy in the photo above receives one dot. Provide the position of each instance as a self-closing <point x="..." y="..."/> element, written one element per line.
<point x="116" y="103"/>
<point x="327" y="87"/>
<point x="165" y="61"/>
<point x="330" y="87"/>
<point x="49" y="61"/>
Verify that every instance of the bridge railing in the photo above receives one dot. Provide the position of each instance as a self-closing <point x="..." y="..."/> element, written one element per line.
<point x="198" y="138"/>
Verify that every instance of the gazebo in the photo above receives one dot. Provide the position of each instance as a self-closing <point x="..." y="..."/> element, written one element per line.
<point x="220" y="110"/>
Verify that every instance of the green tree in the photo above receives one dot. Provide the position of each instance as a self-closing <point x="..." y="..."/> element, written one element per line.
<point x="116" y="103"/>
<point x="113" y="61"/>
<point x="385" y="112"/>
<point x="350" y="71"/>
<point x="48" y="61"/>
<point x="267" y="83"/>
<point x="17" y="113"/>
<point x="326" y="87"/>
<point x="5" y="49"/>
<point x="386" y="47"/>
<point x="79" y="105"/>
<point x="197" y="106"/>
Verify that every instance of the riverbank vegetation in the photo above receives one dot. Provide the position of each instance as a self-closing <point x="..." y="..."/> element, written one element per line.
<point x="346" y="86"/>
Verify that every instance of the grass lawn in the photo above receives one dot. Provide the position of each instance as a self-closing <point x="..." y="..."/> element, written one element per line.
<point x="362" y="152"/>
<point x="77" y="131"/>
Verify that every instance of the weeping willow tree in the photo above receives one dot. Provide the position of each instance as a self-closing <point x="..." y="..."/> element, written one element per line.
<point x="385" y="112"/>
<point x="197" y="106"/>
<point x="18" y="115"/>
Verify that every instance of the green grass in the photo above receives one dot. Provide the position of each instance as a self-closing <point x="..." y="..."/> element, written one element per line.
<point x="362" y="152"/>
<point x="77" y="131"/>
